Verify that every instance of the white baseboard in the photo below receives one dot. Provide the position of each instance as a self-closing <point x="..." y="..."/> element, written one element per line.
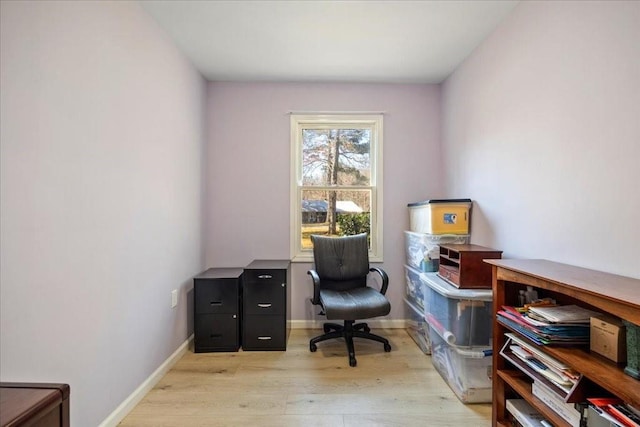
<point x="134" y="398"/>
<point x="373" y="323"/>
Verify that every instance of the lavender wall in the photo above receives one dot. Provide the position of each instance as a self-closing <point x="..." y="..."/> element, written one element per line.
<point x="101" y="161"/>
<point x="541" y="128"/>
<point x="248" y="169"/>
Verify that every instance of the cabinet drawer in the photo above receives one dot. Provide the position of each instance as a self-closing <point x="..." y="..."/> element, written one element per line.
<point x="216" y="296"/>
<point x="264" y="333"/>
<point x="216" y="332"/>
<point x="265" y="276"/>
<point x="449" y="273"/>
<point x="265" y="298"/>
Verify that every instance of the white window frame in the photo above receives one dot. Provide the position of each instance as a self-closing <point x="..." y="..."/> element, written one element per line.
<point x="299" y="122"/>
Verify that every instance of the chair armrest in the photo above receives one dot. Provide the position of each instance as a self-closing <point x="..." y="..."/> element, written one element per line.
<point x="385" y="278"/>
<point x="316" y="286"/>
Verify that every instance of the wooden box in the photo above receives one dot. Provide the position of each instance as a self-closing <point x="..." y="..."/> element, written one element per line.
<point x="462" y="265"/>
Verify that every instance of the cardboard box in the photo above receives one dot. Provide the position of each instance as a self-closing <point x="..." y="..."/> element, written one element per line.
<point x="608" y="338"/>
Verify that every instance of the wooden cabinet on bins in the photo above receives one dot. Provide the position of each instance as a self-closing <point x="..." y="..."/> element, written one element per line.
<point x="607" y="293"/>
<point x="265" y="297"/>
<point x="216" y="297"/>
<point x="462" y="266"/>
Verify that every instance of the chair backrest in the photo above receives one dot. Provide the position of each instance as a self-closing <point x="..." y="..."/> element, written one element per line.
<point x="341" y="262"/>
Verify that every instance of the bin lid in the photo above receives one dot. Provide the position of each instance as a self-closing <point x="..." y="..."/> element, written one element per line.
<point x="437" y="238"/>
<point x="426" y="202"/>
<point x="439" y="285"/>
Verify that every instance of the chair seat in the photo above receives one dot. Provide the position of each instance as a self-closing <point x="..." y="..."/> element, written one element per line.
<point x="358" y="303"/>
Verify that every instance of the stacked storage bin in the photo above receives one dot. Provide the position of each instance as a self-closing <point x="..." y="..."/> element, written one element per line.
<point x="417" y="325"/>
<point x="460" y="335"/>
<point x="432" y="223"/>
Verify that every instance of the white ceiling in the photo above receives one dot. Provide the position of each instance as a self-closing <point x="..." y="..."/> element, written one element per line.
<point x="332" y="41"/>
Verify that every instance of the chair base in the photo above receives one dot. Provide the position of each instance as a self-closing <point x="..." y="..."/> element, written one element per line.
<point x="347" y="331"/>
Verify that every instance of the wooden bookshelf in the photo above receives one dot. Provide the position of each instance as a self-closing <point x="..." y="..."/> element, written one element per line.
<point x="599" y="291"/>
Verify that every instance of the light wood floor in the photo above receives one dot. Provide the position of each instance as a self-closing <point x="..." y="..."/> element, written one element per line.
<point x="300" y="388"/>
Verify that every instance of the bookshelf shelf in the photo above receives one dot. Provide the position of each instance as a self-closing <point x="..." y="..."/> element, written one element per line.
<point x="519" y="383"/>
<point x="603" y="372"/>
<point x="568" y="285"/>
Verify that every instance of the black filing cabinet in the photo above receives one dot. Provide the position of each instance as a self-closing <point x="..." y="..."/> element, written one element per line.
<point x="217" y="295"/>
<point x="266" y="293"/>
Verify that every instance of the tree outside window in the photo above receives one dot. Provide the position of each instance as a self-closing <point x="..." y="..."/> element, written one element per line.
<point x="335" y="188"/>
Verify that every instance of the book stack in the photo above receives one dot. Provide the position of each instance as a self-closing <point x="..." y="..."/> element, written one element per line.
<point x="549" y="325"/>
<point x="567" y="411"/>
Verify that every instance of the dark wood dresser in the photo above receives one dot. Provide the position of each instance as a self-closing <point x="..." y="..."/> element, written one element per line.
<point x="34" y="405"/>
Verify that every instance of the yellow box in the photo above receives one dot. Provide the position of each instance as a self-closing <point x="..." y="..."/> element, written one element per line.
<point x="443" y="216"/>
<point x="608" y="338"/>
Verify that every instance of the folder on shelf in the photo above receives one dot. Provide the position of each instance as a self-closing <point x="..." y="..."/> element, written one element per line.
<point x="543" y="333"/>
<point x="561" y="378"/>
<point x="565" y="383"/>
<point x="564" y="313"/>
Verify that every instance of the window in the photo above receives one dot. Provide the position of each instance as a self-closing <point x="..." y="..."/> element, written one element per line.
<point x="336" y="179"/>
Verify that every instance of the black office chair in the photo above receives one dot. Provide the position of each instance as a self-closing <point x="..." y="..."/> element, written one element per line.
<point x="340" y="288"/>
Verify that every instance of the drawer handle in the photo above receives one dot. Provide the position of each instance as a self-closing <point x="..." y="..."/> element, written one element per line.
<point x="265" y="276"/>
<point x="216" y="303"/>
<point x="264" y="305"/>
<point x="264" y="338"/>
<point x="215" y="335"/>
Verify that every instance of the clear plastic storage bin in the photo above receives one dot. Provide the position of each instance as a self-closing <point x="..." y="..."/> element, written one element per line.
<point x="467" y="371"/>
<point x="415" y="286"/>
<point x="462" y="316"/>
<point x="423" y="250"/>
<point x="417" y="327"/>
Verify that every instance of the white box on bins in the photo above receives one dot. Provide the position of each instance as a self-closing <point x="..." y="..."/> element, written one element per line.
<point x="415" y="286"/>
<point x="423" y="250"/>
<point x="440" y="216"/>
<point x="462" y="316"/>
<point x="417" y="327"/>
<point x="467" y="371"/>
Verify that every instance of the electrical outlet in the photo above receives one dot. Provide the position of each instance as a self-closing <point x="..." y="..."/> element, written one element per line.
<point x="174" y="298"/>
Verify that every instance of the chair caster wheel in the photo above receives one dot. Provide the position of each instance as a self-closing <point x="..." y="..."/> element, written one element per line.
<point x="313" y="348"/>
<point x="387" y="348"/>
<point x="367" y="329"/>
<point x="352" y="362"/>
<point x="326" y="328"/>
